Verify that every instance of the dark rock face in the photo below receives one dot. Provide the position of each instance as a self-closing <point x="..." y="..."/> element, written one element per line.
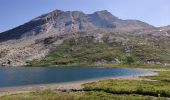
<point x="16" y="33"/>
<point x="70" y="21"/>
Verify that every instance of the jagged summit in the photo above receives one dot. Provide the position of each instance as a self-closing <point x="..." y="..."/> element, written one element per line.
<point x="106" y="14"/>
<point x="59" y="21"/>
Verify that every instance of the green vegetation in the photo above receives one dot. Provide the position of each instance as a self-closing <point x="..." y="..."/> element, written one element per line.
<point x="93" y="95"/>
<point x="87" y="51"/>
<point x="164" y="76"/>
<point x="134" y="66"/>
<point x="84" y="52"/>
<point x="130" y="87"/>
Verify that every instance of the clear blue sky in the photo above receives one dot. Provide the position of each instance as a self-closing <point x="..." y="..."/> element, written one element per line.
<point x="17" y="12"/>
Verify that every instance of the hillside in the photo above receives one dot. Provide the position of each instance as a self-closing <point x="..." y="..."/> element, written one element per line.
<point x="73" y="38"/>
<point x="111" y="48"/>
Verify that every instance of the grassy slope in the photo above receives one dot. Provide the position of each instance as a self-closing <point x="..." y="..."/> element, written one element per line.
<point x="86" y="51"/>
<point x="51" y="95"/>
<point x="158" y="88"/>
<point x="134" y="66"/>
<point x="164" y="76"/>
<point x="131" y="87"/>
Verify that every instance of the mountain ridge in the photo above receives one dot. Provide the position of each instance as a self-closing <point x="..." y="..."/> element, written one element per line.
<point x="35" y="40"/>
<point x="77" y="21"/>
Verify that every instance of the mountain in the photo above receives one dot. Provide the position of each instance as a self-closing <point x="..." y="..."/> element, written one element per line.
<point x="73" y="37"/>
<point x="75" y="21"/>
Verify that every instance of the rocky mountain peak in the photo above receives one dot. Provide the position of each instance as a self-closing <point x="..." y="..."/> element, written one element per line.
<point x="38" y="37"/>
<point x="63" y="22"/>
<point x="48" y="16"/>
<point x="104" y="14"/>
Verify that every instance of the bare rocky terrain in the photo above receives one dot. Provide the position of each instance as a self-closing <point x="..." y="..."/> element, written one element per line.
<point x="36" y="39"/>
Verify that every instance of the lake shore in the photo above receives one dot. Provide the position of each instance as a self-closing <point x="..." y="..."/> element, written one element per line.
<point x="69" y="86"/>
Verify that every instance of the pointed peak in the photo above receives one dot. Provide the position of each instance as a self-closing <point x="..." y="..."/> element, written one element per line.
<point x="102" y="12"/>
<point x="52" y="13"/>
<point x="106" y="15"/>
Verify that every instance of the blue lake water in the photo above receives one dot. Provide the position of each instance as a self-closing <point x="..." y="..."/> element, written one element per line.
<point x="41" y="75"/>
